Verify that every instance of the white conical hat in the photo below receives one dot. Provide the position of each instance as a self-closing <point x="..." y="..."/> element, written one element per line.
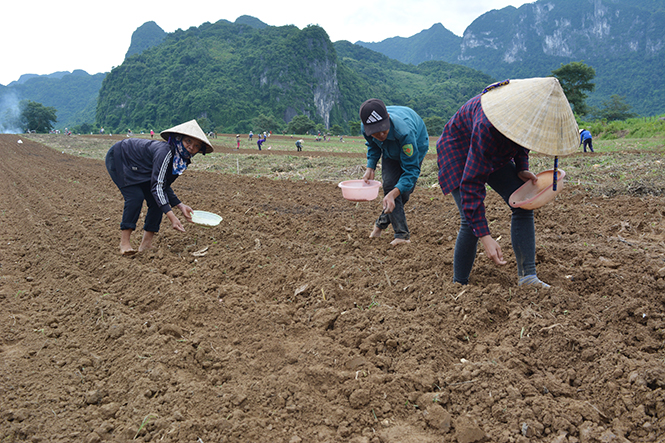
<point x="192" y="129"/>
<point x="534" y="113"/>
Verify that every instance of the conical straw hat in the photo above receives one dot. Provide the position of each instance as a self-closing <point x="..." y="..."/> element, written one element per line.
<point x="192" y="129"/>
<point x="535" y="114"/>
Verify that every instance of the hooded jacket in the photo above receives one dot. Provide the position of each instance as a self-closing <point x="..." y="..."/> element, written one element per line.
<point x="140" y="161"/>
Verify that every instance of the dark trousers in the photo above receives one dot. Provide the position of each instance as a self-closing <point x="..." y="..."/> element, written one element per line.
<point x="134" y="196"/>
<point x="504" y="181"/>
<point x="391" y="171"/>
<point x="587" y="142"/>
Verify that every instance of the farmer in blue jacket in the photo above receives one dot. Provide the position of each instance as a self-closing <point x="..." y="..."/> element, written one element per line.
<point x="260" y="141"/>
<point x="144" y="170"/>
<point x="397" y="135"/>
<point x="585" y="139"/>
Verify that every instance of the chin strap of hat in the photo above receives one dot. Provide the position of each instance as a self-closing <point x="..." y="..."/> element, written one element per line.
<point x="495" y="85"/>
<point x="556" y="171"/>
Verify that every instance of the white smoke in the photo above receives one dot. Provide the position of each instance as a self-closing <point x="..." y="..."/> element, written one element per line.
<point x="10" y="114"/>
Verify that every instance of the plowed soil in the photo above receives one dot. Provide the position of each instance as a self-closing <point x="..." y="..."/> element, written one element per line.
<point x="285" y="323"/>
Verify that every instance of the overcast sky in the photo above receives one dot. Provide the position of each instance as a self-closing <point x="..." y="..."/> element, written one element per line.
<point x="42" y="37"/>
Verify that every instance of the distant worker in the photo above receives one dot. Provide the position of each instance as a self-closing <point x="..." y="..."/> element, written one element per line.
<point x="251" y="134"/>
<point x="260" y="141"/>
<point x="397" y="136"/>
<point x="152" y="133"/>
<point x="299" y="145"/>
<point x="238" y="141"/>
<point x="585" y="139"/>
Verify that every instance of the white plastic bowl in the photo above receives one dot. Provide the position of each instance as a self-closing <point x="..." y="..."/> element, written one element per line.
<point x="206" y="218"/>
<point x="533" y="196"/>
<point x="359" y="191"/>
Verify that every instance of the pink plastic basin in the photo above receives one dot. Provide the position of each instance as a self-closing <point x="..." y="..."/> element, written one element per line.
<point x="359" y="191"/>
<point x="533" y="196"/>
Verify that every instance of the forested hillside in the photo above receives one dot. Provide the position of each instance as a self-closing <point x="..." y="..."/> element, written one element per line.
<point x="229" y="74"/>
<point x="435" y="43"/>
<point x="432" y="88"/>
<point x="623" y="40"/>
<point x="146" y="36"/>
<point x="73" y="95"/>
<point x="226" y="74"/>
<point x="25" y="77"/>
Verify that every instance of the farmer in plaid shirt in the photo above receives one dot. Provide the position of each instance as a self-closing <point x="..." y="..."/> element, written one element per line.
<point x="471" y="153"/>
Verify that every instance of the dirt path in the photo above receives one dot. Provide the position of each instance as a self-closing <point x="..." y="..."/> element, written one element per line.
<point x="286" y="324"/>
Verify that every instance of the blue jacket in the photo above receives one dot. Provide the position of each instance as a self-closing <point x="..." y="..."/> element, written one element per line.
<point x="407" y="142"/>
<point x="140" y="161"/>
<point x="584" y="135"/>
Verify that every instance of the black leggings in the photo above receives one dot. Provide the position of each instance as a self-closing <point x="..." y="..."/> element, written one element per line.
<point x="134" y="196"/>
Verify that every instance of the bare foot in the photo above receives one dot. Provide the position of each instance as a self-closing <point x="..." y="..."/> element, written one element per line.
<point x="376" y="233"/>
<point x="127" y="252"/>
<point x="145" y="245"/>
<point x="399" y="241"/>
<point x="125" y="242"/>
<point x="146" y="241"/>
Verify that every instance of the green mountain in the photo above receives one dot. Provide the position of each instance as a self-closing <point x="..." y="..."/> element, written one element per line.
<point x="623" y="40"/>
<point x="25" y="77"/>
<point x="146" y="36"/>
<point x="435" y="43"/>
<point x="73" y="95"/>
<point x="226" y="74"/>
<point x="250" y="21"/>
<point x="432" y="88"/>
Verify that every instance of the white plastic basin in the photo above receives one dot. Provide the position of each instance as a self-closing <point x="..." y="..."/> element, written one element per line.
<point x="359" y="191"/>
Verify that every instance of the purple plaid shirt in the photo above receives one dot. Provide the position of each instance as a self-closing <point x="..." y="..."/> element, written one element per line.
<point x="468" y="151"/>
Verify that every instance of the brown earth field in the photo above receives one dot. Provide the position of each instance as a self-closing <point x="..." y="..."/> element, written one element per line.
<point x="285" y="323"/>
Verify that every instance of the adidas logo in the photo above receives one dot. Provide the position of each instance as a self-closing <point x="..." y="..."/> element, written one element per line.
<point x="373" y="118"/>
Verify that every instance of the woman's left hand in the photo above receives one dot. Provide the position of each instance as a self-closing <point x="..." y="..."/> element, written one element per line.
<point x="527" y="175"/>
<point x="186" y="211"/>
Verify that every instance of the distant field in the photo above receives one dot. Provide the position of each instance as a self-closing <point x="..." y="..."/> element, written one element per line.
<point x="621" y="166"/>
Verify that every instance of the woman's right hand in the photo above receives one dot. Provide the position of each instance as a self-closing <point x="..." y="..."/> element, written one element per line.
<point x="528" y="175"/>
<point x="369" y="175"/>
